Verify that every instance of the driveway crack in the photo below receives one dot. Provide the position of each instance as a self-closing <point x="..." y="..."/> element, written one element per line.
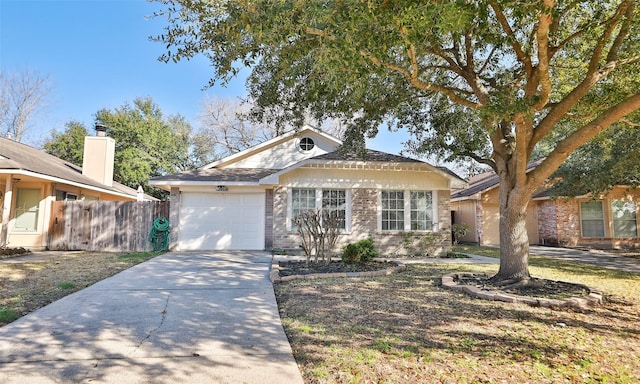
<point x="151" y="332"/>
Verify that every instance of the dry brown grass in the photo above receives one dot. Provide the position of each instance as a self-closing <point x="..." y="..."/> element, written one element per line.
<point x="25" y="287"/>
<point x="405" y="328"/>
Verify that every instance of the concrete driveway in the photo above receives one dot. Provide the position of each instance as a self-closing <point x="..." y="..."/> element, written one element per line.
<point x="178" y="318"/>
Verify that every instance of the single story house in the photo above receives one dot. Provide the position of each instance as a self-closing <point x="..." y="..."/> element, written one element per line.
<point x="30" y="180"/>
<point x="608" y="221"/>
<point x="248" y="200"/>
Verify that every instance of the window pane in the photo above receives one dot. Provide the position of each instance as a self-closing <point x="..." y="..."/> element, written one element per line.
<point x="302" y="200"/>
<point x="334" y="202"/>
<point x="421" y="211"/>
<point x="624" y="219"/>
<point x="27" y="201"/>
<point x="392" y="210"/>
<point x="592" y="218"/>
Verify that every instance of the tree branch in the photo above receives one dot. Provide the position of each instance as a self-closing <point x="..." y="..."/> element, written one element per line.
<point x="542" y="36"/>
<point x="624" y="31"/>
<point x="520" y="54"/>
<point x="592" y="76"/>
<point x="418" y="84"/>
<point x="581" y="136"/>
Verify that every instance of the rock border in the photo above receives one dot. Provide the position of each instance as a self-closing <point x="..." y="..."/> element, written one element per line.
<point x="274" y="274"/>
<point x="592" y="299"/>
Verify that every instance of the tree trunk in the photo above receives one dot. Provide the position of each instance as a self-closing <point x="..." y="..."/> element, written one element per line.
<point x="514" y="240"/>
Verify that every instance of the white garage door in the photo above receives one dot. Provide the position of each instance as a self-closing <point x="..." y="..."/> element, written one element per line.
<point x="221" y="221"/>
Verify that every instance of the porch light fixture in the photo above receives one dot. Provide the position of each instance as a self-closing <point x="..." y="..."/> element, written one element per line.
<point x="222" y="188"/>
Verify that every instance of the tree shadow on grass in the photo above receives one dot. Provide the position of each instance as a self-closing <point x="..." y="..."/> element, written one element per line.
<point x="409" y="313"/>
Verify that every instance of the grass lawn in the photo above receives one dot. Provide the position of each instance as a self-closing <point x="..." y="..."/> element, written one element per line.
<point x="25" y="287"/>
<point x="405" y="328"/>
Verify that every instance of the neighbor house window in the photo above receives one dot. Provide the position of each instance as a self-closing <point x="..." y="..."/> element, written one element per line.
<point x="328" y="200"/>
<point x="421" y="211"/>
<point x="624" y="219"/>
<point x="27" y="207"/>
<point x="592" y="218"/>
<point x="392" y="210"/>
<point x="334" y="201"/>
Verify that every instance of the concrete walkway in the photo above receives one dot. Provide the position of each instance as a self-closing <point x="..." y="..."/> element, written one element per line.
<point x="178" y="318"/>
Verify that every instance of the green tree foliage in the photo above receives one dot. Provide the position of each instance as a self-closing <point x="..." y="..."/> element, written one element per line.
<point x="148" y="144"/>
<point x="612" y="158"/>
<point x="482" y="80"/>
<point x="69" y="144"/>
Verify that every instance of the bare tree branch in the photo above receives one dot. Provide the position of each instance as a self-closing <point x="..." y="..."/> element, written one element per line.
<point x="22" y="97"/>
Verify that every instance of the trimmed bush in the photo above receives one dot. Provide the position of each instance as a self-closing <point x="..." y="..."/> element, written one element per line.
<point x="359" y="252"/>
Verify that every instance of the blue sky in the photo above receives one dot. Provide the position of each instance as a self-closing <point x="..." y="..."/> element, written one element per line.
<point x="98" y="55"/>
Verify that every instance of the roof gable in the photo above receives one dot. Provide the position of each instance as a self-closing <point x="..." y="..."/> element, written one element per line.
<point x="280" y="152"/>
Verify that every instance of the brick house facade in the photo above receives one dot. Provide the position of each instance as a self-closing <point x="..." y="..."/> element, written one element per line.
<point x="563" y="221"/>
<point x="609" y="221"/>
<point x="249" y="200"/>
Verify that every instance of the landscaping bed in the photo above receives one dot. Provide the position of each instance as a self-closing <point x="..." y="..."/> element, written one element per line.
<point x="290" y="268"/>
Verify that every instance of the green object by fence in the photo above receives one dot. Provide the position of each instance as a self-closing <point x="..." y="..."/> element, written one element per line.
<point x="159" y="234"/>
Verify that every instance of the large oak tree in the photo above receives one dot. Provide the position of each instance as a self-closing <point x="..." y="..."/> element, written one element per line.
<point x="487" y="80"/>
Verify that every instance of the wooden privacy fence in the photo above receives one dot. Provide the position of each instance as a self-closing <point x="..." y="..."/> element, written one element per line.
<point x="111" y="226"/>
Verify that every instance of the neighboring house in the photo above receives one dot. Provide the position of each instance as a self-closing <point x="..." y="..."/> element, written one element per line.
<point x="248" y="200"/>
<point x="608" y="221"/>
<point x="30" y="180"/>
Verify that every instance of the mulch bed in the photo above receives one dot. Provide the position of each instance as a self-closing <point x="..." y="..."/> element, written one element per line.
<point x="290" y="268"/>
<point x="536" y="288"/>
<point x="13" y="252"/>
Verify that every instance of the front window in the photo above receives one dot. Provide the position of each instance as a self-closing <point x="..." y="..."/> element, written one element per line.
<point x="421" y="211"/>
<point x="302" y="200"/>
<point x="624" y="219"/>
<point x="334" y="202"/>
<point x="592" y="218"/>
<point x="392" y="210"/>
<point x="27" y="207"/>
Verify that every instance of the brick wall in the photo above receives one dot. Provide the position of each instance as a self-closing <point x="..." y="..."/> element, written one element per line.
<point x="268" y="219"/>
<point x="547" y="223"/>
<point x="559" y="220"/>
<point x="364" y="214"/>
<point x="568" y="222"/>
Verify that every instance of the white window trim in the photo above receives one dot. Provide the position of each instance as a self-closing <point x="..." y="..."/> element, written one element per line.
<point x="347" y="214"/>
<point x="613" y="220"/>
<point x="604" y="221"/>
<point x="407" y="210"/>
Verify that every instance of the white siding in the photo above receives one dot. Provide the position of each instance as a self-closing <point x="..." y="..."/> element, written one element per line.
<point x="284" y="154"/>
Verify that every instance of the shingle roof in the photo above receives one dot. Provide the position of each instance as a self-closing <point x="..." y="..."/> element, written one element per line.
<point x="18" y="156"/>
<point x="219" y="175"/>
<point x="477" y="184"/>
<point x="367" y="155"/>
<point x="485" y="181"/>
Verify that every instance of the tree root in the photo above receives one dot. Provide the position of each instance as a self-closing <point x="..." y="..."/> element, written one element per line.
<point x="516" y="283"/>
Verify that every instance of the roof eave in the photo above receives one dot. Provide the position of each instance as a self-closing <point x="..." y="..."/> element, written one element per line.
<point x="64" y="181"/>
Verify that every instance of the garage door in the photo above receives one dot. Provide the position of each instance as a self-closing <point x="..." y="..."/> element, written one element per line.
<point x="221" y="221"/>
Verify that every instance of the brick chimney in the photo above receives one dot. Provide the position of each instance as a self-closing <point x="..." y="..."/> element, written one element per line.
<point x="99" y="152"/>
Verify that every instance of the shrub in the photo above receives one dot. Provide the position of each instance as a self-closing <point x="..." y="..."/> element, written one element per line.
<point x="359" y="252"/>
<point x="458" y="231"/>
